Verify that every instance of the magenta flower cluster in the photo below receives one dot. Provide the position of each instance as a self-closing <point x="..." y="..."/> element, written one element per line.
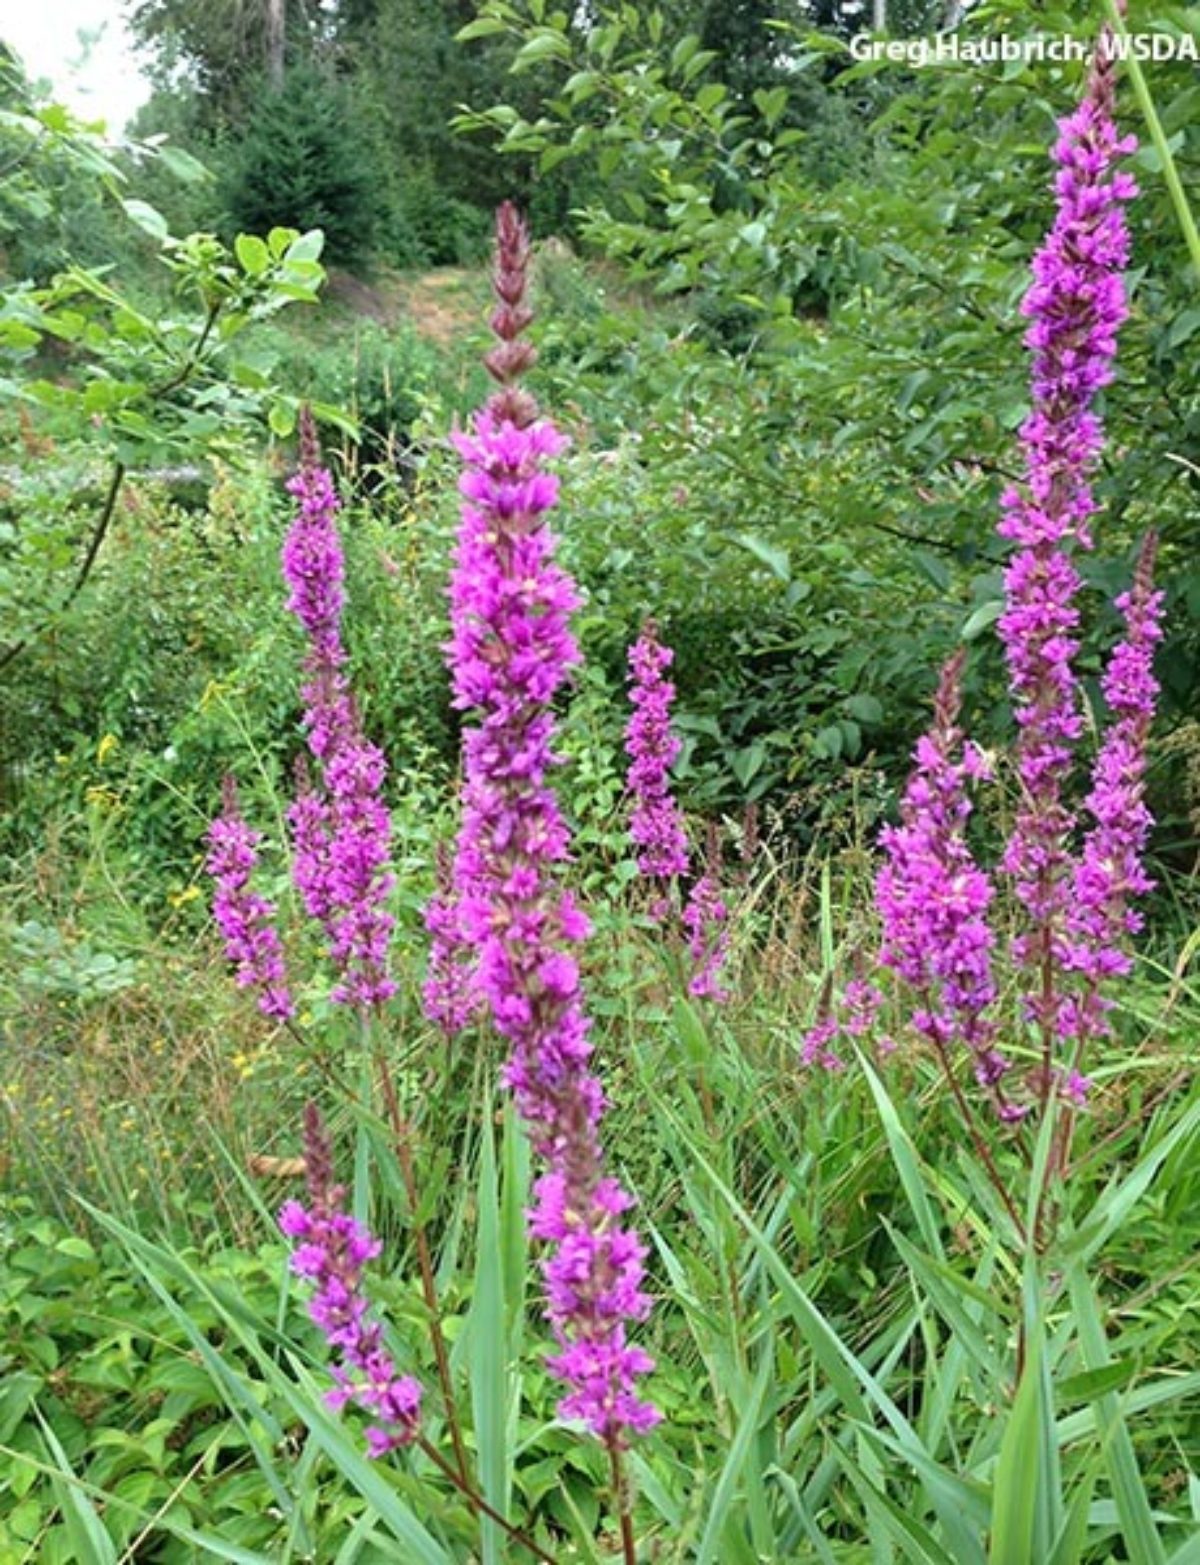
<point x="331" y="1250"/>
<point x="510" y="652"/>
<point x="450" y="994"/>
<point x="340" y="826"/>
<point x="1110" y="870"/>
<point x="933" y="899"/>
<point x="656" y="822"/>
<point x="245" y="919"/>
<point x="706" y="920"/>
<point x="854" y="1017"/>
<point x="1075" y="305"/>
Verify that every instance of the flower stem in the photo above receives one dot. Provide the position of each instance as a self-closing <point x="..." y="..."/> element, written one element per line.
<point x="978" y="1140"/>
<point x="478" y="1503"/>
<point x="400" y="1134"/>
<point x="620" y="1491"/>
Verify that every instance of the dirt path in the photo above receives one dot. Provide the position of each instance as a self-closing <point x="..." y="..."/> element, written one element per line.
<point x="443" y="305"/>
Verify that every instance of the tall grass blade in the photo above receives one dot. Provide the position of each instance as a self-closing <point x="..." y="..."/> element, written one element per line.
<point x="490" y="1398"/>
<point x="1138" y="1531"/>
<point x="90" y="1542"/>
<point x="731" y="1470"/>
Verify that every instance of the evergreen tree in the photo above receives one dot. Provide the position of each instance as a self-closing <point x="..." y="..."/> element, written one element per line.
<point x="303" y="162"/>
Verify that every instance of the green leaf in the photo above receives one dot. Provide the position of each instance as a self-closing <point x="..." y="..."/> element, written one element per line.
<point x="1018" y="1475"/>
<point x="1183" y="327"/>
<point x="981" y="618"/>
<point x="307" y="247"/>
<point x="546" y="44"/>
<point x="904" y="1156"/>
<point x="253" y="254"/>
<point x="481" y="27"/>
<point x="147" y="218"/>
<point x="183" y="165"/>
<point x="775" y="558"/>
<point x="1120" y="1196"/>
<point x="867" y="708"/>
<point x="770" y="102"/>
<point x="90" y="1542"/>
<point x="1142" y="1542"/>
<point x="735" y="1460"/>
<point x="282" y="419"/>
<point x="490" y="1397"/>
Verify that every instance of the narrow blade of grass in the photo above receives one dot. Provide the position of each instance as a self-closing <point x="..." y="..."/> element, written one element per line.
<point x="489" y="1380"/>
<point x="90" y="1542"/>
<point x="1018" y="1470"/>
<point x="736" y="1459"/>
<point x="1133" y="1504"/>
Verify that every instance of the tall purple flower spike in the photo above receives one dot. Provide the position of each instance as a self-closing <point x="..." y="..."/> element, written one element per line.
<point x="656" y="822"/>
<point x="1075" y="305"/>
<point x="933" y="898"/>
<point x="706" y="920"/>
<point x="245" y="919"/>
<point x="450" y="994"/>
<point x="331" y="1250"/>
<point x="510" y="653"/>
<point x="340" y="826"/>
<point x="1110" y="870"/>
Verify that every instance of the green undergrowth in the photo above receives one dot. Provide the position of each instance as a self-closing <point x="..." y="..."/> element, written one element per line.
<point x="837" y="1307"/>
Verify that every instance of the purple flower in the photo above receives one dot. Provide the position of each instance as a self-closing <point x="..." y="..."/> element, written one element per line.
<point x="245" y="919"/>
<point x="331" y="1250"/>
<point x="656" y="823"/>
<point x="855" y="1017"/>
<point x="1110" y="870"/>
<point x="934" y="899"/>
<point x="511" y="651"/>
<point x="340" y="829"/>
<point x="706" y="920"/>
<point x="1075" y="305"/>
<point x="450" y="995"/>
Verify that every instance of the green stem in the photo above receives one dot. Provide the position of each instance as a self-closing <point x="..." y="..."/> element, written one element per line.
<point x="400" y="1136"/>
<point x="1158" y="136"/>
<point x="478" y="1503"/>
<point x="621" y="1502"/>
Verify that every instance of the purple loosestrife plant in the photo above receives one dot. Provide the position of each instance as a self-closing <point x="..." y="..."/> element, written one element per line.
<point x="1110" y="869"/>
<point x="245" y="919"/>
<point x="656" y="822"/>
<point x="341" y="829"/>
<point x="706" y="920"/>
<point x="1075" y="305"/>
<point x="331" y="1250"/>
<point x="510" y="653"/>
<point x="855" y="1018"/>
<point x="933" y="900"/>
<point x="450" y="995"/>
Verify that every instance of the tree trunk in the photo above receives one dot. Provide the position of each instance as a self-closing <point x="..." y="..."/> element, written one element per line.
<point x="879" y="16"/>
<point x="275" y="18"/>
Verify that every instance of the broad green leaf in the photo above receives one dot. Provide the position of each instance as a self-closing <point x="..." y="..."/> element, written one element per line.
<point x="253" y="254"/>
<point x="147" y="218"/>
<point x="774" y="558"/>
